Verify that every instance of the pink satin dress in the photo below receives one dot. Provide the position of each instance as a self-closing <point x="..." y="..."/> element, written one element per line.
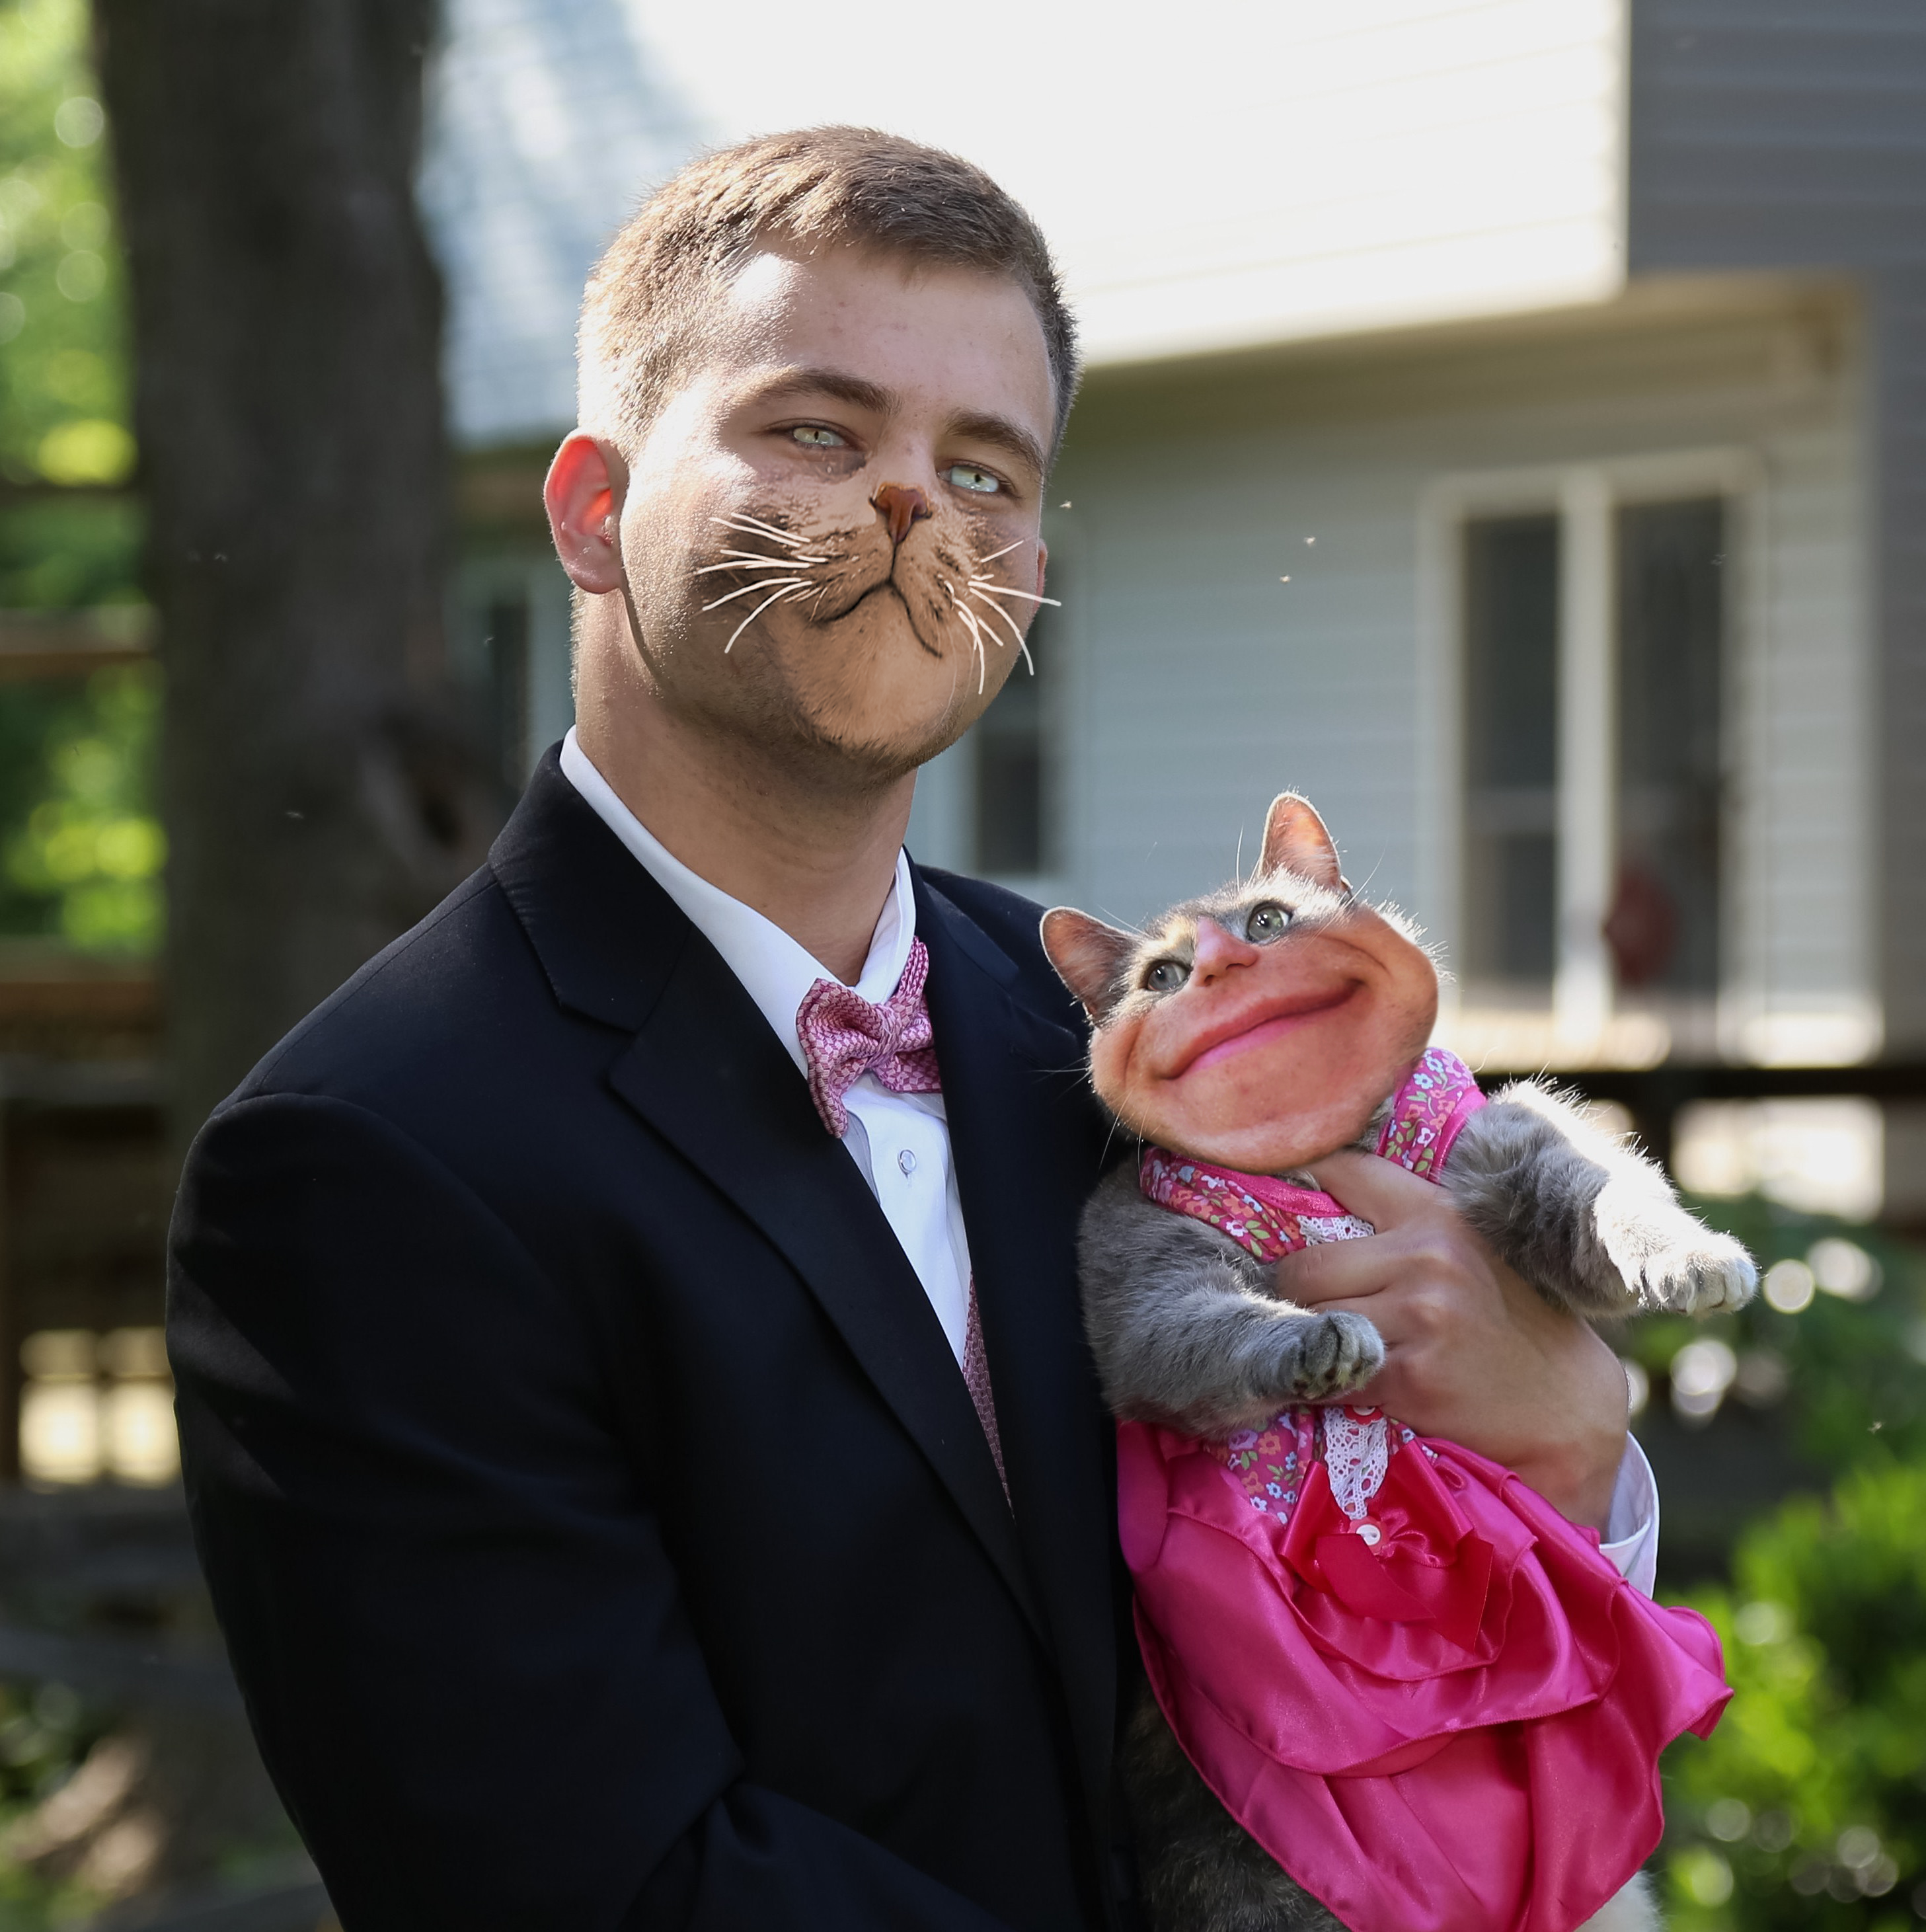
<point x="1431" y="1699"/>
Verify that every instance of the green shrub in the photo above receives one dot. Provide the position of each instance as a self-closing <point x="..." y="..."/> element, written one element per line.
<point x="81" y="860"/>
<point x="1807" y="1808"/>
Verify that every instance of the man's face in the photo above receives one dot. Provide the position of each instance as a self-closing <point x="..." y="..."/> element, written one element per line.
<point x="830" y="532"/>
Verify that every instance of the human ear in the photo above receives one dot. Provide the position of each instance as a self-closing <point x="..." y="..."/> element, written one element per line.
<point x="1295" y="841"/>
<point x="1088" y="955"/>
<point x="583" y="496"/>
<point x="1042" y="558"/>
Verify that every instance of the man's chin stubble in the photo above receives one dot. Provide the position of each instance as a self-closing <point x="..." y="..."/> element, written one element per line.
<point x="780" y="735"/>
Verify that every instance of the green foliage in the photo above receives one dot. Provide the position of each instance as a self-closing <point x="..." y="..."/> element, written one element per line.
<point x="80" y="848"/>
<point x="1807" y="1808"/>
<point x="63" y="388"/>
<point x="1852" y="1372"/>
<point x="57" y="555"/>
<point x="45" y="1731"/>
<point x="83" y="863"/>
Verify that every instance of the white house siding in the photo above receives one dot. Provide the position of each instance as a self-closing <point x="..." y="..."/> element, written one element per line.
<point x="1767" y="137"/>
<point x="1264" y="169"/>
<point x="1198" y="684"/>
<point x="1277" y="169"/>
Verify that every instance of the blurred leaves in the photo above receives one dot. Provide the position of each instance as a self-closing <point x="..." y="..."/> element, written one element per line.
<point x="45" y="1731"/>
<point x="1850" y="1372"/>
<point x="1807" y="1807"/>
<point x="63" y="389"/>
<point x="81" y="851"/>
<point x="64" y="556"/>
<point x="85" y="866"/>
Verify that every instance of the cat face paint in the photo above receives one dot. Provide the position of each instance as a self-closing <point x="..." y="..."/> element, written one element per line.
<point x="1258" y="1028"/>
<point x="831" y="532"/>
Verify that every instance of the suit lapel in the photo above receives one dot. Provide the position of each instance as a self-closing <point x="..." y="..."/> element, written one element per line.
<point x="1021" y="1134"/>
<point x="705" y="1072"/>
<point x="708" y="1075"/>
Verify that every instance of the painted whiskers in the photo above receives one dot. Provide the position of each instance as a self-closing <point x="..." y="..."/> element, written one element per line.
<point x="980" y="585"/>
<point x="791" y="576"/>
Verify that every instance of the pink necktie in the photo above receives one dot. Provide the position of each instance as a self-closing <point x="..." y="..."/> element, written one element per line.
<point x="844" y="1036"/>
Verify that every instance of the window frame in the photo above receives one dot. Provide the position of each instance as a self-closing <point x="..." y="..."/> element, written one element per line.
<point x="1586" y="1024"/>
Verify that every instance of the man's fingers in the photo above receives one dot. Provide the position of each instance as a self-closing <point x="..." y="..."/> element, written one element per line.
<point x="1377" y="1191"/>
<point x="1335" y="1271"/>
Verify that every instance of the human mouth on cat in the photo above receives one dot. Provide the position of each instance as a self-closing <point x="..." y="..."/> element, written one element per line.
<point x="1239" y="1032"/>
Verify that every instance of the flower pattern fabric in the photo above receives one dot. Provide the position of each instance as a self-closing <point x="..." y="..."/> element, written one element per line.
<point x="1272" y="1218"/>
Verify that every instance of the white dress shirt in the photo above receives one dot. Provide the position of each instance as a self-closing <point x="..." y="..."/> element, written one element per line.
<point x="900" y="1142"/>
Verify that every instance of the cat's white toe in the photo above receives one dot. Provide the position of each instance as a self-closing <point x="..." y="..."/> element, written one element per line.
<point x="1709" y="1276"/>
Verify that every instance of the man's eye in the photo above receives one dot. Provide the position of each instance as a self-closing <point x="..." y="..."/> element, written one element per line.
<point x="1166" y="977"/>
<point x="968" y="476"/>
<point x="813" y="436"/>
<point x="1268" y="921"/>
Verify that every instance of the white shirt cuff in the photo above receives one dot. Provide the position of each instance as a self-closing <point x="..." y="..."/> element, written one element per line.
<point x="1631" y="1529"/>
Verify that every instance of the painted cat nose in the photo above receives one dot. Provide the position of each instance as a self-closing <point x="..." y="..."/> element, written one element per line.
<point x="902" y="506"/>
<point x="1216" y="951"/>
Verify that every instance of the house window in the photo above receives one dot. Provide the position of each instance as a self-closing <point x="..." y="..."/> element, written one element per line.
<point x="1012" y="831"/>
<point x="1510" y="790"/>
<point x="508" y="640"/>
<point x="97" y="1407"/>
<point x="1591" y="632"/>
<point x="1663" y="925"/>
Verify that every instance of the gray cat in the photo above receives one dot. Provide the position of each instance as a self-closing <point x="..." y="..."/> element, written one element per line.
<point x="1261" y="1028"/>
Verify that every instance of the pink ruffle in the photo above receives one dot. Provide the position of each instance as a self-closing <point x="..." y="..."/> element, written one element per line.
<point x="1455" y="1727"/>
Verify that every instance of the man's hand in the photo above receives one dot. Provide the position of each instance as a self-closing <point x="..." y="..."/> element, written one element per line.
<point x="1472" y="1353"/>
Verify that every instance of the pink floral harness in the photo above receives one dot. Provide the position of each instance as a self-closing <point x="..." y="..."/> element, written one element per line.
<point x="1271" y="1218"/>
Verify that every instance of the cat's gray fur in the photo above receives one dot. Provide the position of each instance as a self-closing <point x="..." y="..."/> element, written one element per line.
<point x="1188" y="1331"/>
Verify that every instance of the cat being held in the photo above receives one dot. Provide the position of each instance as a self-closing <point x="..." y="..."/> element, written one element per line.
<point x="1244" y="1037"/>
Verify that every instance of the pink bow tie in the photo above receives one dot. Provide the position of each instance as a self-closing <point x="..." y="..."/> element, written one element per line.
<point x="844" y="1036"/>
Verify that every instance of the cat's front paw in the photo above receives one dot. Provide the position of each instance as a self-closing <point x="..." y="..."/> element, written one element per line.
<point x="1333" y="1354"/>
<point x="1709" y="1276"/>
<point x="1669" y="1260"/>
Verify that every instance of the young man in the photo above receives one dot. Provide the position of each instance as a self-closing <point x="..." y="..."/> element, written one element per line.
<point x="636" y="1415"/>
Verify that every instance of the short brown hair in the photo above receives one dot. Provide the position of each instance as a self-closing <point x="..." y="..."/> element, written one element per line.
<point x="643" y="311"/>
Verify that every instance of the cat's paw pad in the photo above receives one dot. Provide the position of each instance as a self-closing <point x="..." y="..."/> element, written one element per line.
<point x="1705" y="1274"/>
<point x="1334" y="1354"/>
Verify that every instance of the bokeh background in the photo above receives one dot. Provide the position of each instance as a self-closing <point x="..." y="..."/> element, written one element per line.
<point x="1506" y="421"/>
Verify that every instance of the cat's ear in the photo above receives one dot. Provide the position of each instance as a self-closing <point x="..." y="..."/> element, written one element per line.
<point x="1295" y="841"/>
<point x="1089" y="956"/>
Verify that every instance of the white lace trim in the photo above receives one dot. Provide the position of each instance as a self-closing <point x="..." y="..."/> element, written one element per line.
<point x="1357" y="1452"/>
<point x="1319" y="1227"/>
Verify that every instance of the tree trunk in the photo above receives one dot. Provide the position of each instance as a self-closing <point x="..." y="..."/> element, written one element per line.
<point x="319" y="789"/>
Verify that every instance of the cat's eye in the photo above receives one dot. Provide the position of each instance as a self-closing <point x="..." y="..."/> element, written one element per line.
<point x="968" y="476"/>
<point x="1268" y="921"/>
<point x="1165" y="976"/>
<point x="814" y="435"/>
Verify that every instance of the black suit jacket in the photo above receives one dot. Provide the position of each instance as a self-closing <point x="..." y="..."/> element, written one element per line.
<point x="601" y="1527"/>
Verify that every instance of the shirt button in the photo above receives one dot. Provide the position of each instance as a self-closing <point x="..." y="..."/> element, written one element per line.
<point x="1370" y="1534"/>
<point x="907" y="1161"/>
